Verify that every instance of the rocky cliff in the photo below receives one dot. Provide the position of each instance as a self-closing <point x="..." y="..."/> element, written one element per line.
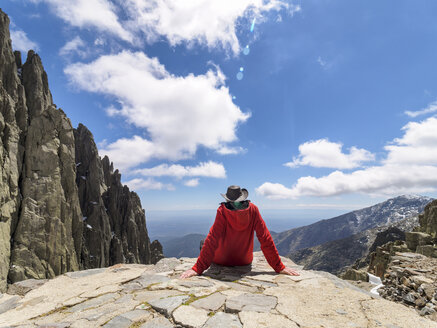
<point x="149" y="296"/>
<point x="62" y="207"/>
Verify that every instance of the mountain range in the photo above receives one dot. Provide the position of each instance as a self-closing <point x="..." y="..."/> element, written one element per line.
<point x="385" y="213"/>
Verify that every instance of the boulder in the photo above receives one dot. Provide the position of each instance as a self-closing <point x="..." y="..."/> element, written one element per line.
<point x="352" y="274"/>
<point x="414" y="239"/>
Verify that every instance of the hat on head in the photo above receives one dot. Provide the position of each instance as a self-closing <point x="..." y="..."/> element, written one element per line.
<point x="235" y="194"/>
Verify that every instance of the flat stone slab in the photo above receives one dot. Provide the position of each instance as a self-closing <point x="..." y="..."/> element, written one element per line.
<point x="223" y="320"/>
<point x="94" y="302"/>
<point x="145" y="280"/>
<point x="85" y="273"/>
<point x="151" y="295"/>
<point x="159" y="322"/>
<point x="210" y="303"/>
<point x="167" y="264"/>
<point x="9" y="303"/>
<point x="257" y="283"/>
<point x="267" y="320"/>
<point x="137" y="315"/>
<point x="250" y="302"/>
<point x="188" y="316"/>
<point x="167" y="305"/>
<point x="118" y="322"/>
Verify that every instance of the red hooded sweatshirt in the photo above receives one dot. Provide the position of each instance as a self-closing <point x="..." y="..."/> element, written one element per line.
<point x="230" y="240"/>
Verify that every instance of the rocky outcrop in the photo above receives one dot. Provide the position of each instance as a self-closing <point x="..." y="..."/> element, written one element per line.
<point x="428" y="219"/>
<point x="156" y="250"/>
<point x="154" y="296"/>
<point x="62" y="207"/>
<point x="408" y="269"/>
<point x="411" y="279"/>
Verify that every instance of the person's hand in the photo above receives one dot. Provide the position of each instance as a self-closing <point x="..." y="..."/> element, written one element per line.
<point x="188" y="274"/>
<point x="290" y="272"/>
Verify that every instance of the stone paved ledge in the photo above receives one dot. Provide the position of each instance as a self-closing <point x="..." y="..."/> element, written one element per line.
<point x="151" y="296"/>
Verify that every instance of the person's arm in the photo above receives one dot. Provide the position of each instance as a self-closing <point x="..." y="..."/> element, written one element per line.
<point x="208" y="249"/>
<point x="268" y="247"/>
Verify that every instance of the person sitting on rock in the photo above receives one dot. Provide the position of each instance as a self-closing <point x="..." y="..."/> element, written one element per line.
<point x="230" y="239"/>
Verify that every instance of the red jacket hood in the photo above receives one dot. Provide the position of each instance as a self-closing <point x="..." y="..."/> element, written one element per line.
<point x="238" y="219"/>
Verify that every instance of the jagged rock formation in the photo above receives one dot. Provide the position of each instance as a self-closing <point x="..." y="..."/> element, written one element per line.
<point x="383" y="214"/>
<point x="152" y="296"/>
<point x="428" y="219"/>
<point x="45" y="194"/>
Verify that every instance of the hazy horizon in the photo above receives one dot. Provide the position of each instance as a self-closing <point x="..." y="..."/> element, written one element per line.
<point x="181" y="223"/>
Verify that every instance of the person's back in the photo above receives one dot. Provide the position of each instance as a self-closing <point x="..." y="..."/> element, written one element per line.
<point x="230" y="239"/>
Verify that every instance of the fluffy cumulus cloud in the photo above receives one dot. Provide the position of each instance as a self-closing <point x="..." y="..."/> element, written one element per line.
<point x="212" y="23"/>
<point x="179" y="113"/>
<point x="98" y="14"/>
<point x="208" y="22"/>
<point x="323" y="153"/>
<point x="207" y="169"/>
<point x="21" y="42"/>
<point x="410" y="167"/>
<point x="147" y="184"/>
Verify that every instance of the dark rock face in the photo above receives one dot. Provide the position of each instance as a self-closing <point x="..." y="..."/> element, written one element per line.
<point x="156" y="250"/>
<point x="56" y="215"/>
<point x="130" y="242"/>
<point x="91" y="185"/>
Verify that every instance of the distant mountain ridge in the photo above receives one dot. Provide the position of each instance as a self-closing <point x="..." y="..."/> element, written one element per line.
<point x="381" y="214"/>
<point x="186" y="246"/>
<point x="333" y="256"/>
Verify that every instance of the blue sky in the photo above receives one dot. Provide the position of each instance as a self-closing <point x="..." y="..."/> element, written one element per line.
<point x="335" y="109"/>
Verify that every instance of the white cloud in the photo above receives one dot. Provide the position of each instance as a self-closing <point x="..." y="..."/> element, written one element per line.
<point x="207" y="22"/>
<point x="211" y="23"/>
<point x="75" y="45"/>
<point x="100" y="14"/>
<point x="127" y="152"/>
<point x="207" y="169"/>
<point x="192" y="183"/>
<point x="147" y="184"/>
<point x="417" y="146"/>
<point x="378" y="180"/>
<point x="431" y="108"/>
<point x="323" y="153"/>
<point x="230" y="150"/>
<point x="21" y="42"/>
<point x="180" y="113"/>
<point x="410" y="167"/>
